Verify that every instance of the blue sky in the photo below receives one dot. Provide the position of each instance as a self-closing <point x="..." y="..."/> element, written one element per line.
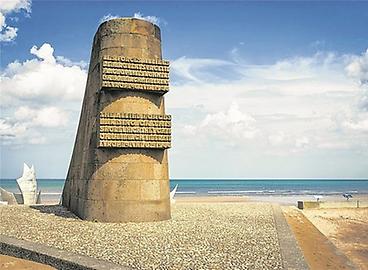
<point x="269" y="31"/>
<point x="258" y="89"/>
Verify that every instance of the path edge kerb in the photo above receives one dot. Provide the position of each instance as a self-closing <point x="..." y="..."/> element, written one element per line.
<point x="292" y="256"/>
<point x="56" y="258"/>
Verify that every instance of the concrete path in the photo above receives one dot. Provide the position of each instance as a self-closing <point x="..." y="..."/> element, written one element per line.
<point x="292" y="256"/>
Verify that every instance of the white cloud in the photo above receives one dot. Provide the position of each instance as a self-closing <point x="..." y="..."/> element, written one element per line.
<point x="8" y="33"/>
<point x="41" y="80"/>
<point x="43" y="117"/>
<point x="296" y="106"/>
<point x="277" y="138"/>
<point x="108" y="17"/>
<point x="67" y="62"/>
<point x="46" y="52"/>
<point x="359" y="125"/>
<point x="2" y="21"/>
<point x="192" y="69"/>
<point x="38" y="95"/>
<point x="15" y="6"/>
<point x="358" y="67"/>
<point x="302" y="142"/>
<point x="227" y="126"/>
<point x="137" y="15"/>
<point x="8" y="129"/>
<point x="18" y="134"/>
<point x="30" y="125"/>
<point x="151" y="19"/>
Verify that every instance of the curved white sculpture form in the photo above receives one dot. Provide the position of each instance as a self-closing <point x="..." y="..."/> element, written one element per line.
<point x="8" y="197"/>
<point x="172" y="194"/>
<point x="28" y="185"/>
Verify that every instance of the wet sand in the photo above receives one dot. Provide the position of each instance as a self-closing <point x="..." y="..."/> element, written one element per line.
<point x="210" y="199"/>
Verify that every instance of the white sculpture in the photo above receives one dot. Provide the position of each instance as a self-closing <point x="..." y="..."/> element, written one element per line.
<point x="7" y="197"/>
<point x="172" y="194"/>
<point x="28" y="185"/>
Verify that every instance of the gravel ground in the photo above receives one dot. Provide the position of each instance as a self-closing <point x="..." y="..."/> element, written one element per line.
<point x="199" y="236"/>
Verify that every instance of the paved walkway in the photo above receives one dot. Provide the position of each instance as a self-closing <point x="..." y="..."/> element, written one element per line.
<point x="291" y="254"/>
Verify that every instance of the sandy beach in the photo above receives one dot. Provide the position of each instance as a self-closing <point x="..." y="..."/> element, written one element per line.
<point x="11" y="263"/>
<point x="347" y="229"/>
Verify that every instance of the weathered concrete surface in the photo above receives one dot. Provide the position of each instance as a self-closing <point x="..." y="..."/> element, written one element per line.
<point x="118" y="185"/>
<point x="51" y="256"/>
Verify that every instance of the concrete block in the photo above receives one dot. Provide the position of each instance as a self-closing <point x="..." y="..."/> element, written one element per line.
<point x="120" y="184"/>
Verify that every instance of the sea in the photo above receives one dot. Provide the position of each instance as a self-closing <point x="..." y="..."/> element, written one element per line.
<point x="52" y="188"/>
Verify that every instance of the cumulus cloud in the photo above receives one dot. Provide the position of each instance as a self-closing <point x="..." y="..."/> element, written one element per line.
<point x="359" y="125"/>
<point x="15" y="6"/>
<point x="358" y="67"/>
<point x="46" y="53"/>
<point x="42" y="79"/>
<point x="151" y="19"/>
<point x="69" y="63"/>
<point x="18" y="133"/>
<point x="8" y="33"/>
<point x="231" y="126"/>
<point x="37" y="96"/>
<point x="26" y="123"/>
<point x="42" y="117"/>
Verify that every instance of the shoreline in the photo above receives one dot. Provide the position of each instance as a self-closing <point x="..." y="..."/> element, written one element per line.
<point x="284" y="200"/>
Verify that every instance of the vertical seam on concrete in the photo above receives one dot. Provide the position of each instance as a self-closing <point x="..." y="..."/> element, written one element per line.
<point x="292" y="256"/>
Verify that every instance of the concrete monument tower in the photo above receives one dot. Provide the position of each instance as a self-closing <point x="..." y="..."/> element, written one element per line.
<point x="119" y="167"/>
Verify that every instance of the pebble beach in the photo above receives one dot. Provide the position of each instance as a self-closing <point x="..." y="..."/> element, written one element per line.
<point x="199" y="236"/>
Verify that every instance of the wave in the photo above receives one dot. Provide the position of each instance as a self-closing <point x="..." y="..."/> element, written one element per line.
<point x="281" y="192"/>
<point x="239" y="191"/>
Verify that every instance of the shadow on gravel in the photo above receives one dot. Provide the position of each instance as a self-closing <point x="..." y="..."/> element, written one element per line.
<point x="56" y="210"/>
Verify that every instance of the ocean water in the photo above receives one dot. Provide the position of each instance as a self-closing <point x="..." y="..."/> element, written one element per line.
<point x="52" y="188"/>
